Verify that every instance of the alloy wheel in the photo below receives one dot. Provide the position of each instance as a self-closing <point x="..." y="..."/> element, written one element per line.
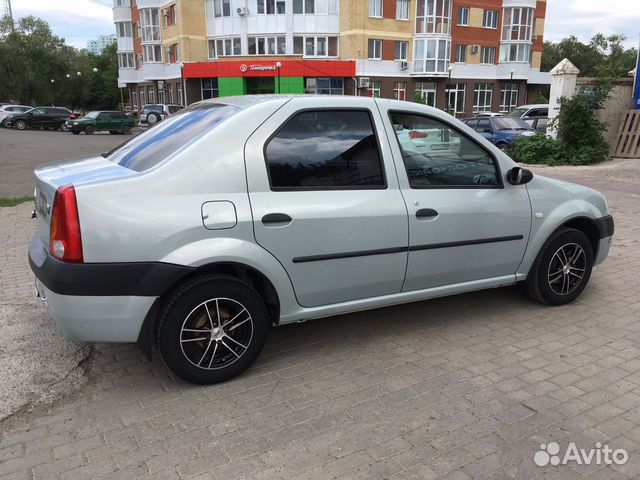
<point x="566" y="269"/>
<point x="216" y="333"/>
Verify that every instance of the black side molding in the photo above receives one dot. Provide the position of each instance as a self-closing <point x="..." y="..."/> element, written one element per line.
<point x="412" y="248"/>
<point x="605" y="226"/>
<point x="146" y="279"/>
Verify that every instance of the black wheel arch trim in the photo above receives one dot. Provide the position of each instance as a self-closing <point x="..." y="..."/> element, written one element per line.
<point x="605" y="226"/>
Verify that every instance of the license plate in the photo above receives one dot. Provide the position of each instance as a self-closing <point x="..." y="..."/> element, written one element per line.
<point x="439" y="147"/>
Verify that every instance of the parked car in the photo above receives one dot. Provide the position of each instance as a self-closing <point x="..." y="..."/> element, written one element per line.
<point x="50" y="118"/>
<point x="527" y="111"/>
<point x="245" y="212"/>
<point x="112" y="121"/>
<point x="500" y="131"/>
<point x="7" y="110"/>
<point x="489" y="114"/>
<point x="154" y="113"/>
<point x="539" y="124"/>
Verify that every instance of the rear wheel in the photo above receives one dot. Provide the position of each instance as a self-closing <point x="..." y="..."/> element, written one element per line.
<point x="5" y="123"/>
<point x="562" y="269"/>
<point x="21" y="124"/>
<point x="89" y="129"/>
<point x="212" y="329"/>
<point x="502" y="146"/>
<point x="126" y="130"/>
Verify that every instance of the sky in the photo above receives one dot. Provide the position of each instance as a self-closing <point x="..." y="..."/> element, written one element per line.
<point x="80" y="20"/>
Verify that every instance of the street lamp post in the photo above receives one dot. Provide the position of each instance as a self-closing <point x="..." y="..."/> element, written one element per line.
<point x="183" y="86"/>
<point x="511" y="90"/>
<point x="448" y="90"/>
<point x="53" y="89"/>
<point x="278" y="66"/>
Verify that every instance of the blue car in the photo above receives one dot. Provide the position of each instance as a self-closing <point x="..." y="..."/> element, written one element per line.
<point x="501" y="131"/>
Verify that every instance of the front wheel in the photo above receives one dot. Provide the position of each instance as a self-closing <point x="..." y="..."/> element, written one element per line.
<point x="21" y="124"/>
<point x="502" y="146"/>
<point x="212" y="329"/>
<point x="89" y="129"/>
<point x="126" y="130"/>
<point x="562" y="269"/>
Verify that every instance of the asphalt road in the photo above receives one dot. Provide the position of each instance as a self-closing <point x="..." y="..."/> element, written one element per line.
<point x="22" y="151"/>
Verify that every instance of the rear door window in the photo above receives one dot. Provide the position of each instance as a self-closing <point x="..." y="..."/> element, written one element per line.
<point x="159" y="143"/>
<point x="325" y="149"/>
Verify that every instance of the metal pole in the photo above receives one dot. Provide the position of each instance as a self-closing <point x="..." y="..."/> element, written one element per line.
<point x="511" y="91"/>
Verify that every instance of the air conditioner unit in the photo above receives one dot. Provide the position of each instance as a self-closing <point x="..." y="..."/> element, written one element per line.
<point x="475" y="48"/>
<point x="364" y="82"/>
<point x="404" y="65"/>
<point x="242" y="11"/>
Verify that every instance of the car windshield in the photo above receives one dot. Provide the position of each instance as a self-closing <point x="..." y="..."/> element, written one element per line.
<point x="510" y="124"/>
<point x="92" y="115"/>
<point x="160" y="142"/>
<point x="518" y="113"/>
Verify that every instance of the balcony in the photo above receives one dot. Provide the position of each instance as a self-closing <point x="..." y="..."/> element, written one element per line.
<point x="121" y="14"/>
<point x="125" y="44"/>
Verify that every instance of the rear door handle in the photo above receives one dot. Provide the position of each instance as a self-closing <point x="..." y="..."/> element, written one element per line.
<point x="426" y="213"/>
<point x="276" y="219"/>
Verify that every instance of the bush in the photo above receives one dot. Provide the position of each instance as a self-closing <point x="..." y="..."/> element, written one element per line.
<point x="536" y="149"/>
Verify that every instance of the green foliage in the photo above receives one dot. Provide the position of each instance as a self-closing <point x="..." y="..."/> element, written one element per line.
<point x="31" y="57"/>
<point x="541" y="98"/>
<point x="580" y="133"/>
<point x="601" y="56"/>
<point x="421" y="99"/>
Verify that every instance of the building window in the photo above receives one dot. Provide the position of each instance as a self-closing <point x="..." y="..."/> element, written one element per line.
<point x="402" y="10"/>
<point x="170" y="16"/>
<point x="434" y="16"/>
<point x="271" y="7"/>
<point x="266" y="45"/>
<point x="126" y="60"/>
<point x="121" y="3"/>
<point x="217" y="8"/>
<point x="179" y="94"/>
<point x="426" y="92"/>
<point x="150" y="24"/>
<point x="375" y="8"/>
<point x="375" y="49"/>
<point x="209" y="88"/>
<point x="431" y="55"/>
<point x="123" y="30"/>
<point x="490" y="19"/>
<point x="400" y="90"/>
<point x="515" y="52"/>
<point x="374" y="89"/>
<point x="324" y="86"/>
<point x="482" y="96"/>
<point x="517" y="24"/>
<point x="455" y="96"/>
<point x="488" y="55"/>
<point x="315" y="46"/>
<point x="508" y="97"/>
<point x="304" y="6"/>
<point x="401" y="50"/>
<point x="151" y="95"/>
<point x="461" y="54"/>
<point x="152" y="53"/>
<point x="225" y="47"/>
<point x="463" y="16"/>
<point x="172" y="54"/>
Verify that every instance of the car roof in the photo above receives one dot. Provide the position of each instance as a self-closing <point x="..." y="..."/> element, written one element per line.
<point x="535" y="105"/>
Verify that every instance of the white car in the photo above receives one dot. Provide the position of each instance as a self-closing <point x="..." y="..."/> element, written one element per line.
<point x="8" y="110"/>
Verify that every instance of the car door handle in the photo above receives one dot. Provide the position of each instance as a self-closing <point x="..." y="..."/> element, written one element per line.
<point x="276" y="219"/>
<point x="425" y="213"/>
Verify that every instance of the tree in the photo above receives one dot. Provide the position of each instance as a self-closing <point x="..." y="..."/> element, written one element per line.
<point x="31" y="57"/>
<point x="602" y="56"/>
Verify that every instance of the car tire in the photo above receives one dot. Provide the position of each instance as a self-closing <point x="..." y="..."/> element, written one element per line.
<point x="152" y="119"/>
<point x="562" y="269"/>
<point x="502" y="146"/>
<point x="89" y="129"/>
<point x="5" y="123"/>
<point x="126" y="130"/>
<point x="21" y="124"/>
<point x="195" y="345"/>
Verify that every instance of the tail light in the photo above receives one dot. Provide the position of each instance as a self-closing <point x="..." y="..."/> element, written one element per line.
<point x="413" y="135"/>
<point x="65" y="240"/>
<point x="166" y="114"/>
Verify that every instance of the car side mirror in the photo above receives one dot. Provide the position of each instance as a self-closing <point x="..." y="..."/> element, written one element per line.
<point x="519" y="176"/>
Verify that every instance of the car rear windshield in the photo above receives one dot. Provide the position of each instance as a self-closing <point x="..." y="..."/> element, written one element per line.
<point x="160" y="142"/>
<point x="510" y="124"/>
<point x="152" y="108"/>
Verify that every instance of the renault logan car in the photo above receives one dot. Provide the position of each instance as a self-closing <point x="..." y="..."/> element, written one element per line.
<point x="241" y="213"/>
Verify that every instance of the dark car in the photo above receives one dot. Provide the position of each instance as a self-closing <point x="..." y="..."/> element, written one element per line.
<point x="500" y="131"/>
<point x="111" y="121"/>
<point x="50" y="118"/>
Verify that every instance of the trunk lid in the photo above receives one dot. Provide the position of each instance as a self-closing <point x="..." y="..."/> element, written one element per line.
<point x="77" y="173"/>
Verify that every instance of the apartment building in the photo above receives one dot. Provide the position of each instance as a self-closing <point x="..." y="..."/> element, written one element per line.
<point x="466" y="56"/>
<point x="100" y="43"/>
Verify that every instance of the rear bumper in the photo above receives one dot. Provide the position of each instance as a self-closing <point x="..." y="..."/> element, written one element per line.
<point x="100" y="302"/>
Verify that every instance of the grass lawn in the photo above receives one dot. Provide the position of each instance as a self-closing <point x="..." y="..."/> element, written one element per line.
<point x="12" y="202"/>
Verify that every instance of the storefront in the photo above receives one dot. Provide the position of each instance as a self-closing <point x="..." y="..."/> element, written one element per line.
<point x="263" y="76"/>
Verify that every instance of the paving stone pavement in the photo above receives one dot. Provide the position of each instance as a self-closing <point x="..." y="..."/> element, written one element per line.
<point x="456" y="388"/>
